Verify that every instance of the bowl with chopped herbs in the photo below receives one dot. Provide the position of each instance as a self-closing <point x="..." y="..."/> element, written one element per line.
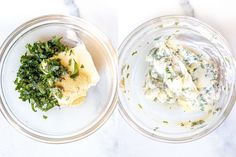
<point x="176" y="79"/>
<point x="58" y="79"/>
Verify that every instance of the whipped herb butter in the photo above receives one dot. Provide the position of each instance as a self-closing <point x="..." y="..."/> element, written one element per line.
<point x="179" y="75"/>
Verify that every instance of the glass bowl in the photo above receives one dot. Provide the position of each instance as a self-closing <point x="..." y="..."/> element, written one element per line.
<point x="63" y="124"/>
<point x="158" y="121"/>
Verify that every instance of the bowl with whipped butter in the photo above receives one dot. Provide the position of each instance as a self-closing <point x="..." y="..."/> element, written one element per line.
<point x="58" y="78"/>
<point x="176" y="79"/>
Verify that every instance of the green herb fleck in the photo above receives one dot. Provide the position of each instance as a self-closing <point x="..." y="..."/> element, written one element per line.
<point x="71" y="52"/>
<point x="157" y="38"/>
<point x="197" y="122"/>
<point x="82" y="66"/>
<point x="164" y="121"/>
<point x="135" y="52"/>
<point x="70" y="60"/>
<point x="75" y="71"/>
<point x="167" y="70"/>
<point x="122" y="69"/>
<point x="45" y="117"/>
<point x="33" y="108"/>
<point x="156" y="128"/>
<point x="127" y="76"/>
<point x="140" y="106"/>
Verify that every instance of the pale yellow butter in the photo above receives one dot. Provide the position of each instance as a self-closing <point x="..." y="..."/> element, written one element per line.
<point x="75" y="89"/>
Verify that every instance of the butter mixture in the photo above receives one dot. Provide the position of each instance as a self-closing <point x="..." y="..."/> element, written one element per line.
<point x="178" y="75"/>
<point x="74" y="89"/>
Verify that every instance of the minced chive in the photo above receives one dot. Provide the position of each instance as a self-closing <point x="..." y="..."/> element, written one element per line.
<point x="157" y="38"/>
<point x="140" y="106"/>
<point x="135" y="52"/>
<point x="70" y="61"/>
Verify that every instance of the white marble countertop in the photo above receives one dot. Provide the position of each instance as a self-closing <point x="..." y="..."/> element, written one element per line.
<point x="117" y="19"/>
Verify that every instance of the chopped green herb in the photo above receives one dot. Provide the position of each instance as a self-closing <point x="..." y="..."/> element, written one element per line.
<point x="156" y="128"/>
<point x="218" y="109"/>
<point x="82" y="66"/>
<point x="75" y="72"/>
<point x="167" y="70"/>
<point x="197" y="122"/>
<point x="122" y="69"/>
<point x="45" y="117"/>
<point x="33" y="108"/>
<point x="157" y="38"/>
<point x="70" y="60"/>
<point x="135" y="52"/>
<point x="38" y="73"/>
<point x="164" y="121"/>
<point x="71" y="51"/>
<point x="140" y="106"/>
<point x="127" y="76"/>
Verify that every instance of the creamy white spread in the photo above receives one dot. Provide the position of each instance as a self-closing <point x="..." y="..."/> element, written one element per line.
<point x="74" y="90"/>
<point x="178" y="75"/>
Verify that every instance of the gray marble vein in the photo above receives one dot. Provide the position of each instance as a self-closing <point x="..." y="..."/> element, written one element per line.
<point x="187" y="7"/>
<point x="72" y="8"/>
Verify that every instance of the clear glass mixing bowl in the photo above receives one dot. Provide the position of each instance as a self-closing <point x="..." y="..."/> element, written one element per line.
<point x="153" y="120"/>
<point x="67" y="124"/>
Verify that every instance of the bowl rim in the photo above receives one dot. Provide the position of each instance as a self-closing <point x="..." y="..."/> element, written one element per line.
<point x="110" y="106"/>
<point x="139" y="128"/>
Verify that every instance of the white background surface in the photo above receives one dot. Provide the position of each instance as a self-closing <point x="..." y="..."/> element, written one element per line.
<point x="117" y="19"/>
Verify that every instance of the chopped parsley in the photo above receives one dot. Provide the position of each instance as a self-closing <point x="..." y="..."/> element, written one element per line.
<point x="197" y="122"/>
<point x="140" y="106"/>
<point x="135" y="52"/>
<point x="157" y="38"/>
<point x="82" y="66"/>
<point x="156" y="128"/>
<point x="164" y="121"/>
<point x="75" y="71"/>
<point x="38" y="74"/>
<point x="70" y="60"/>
